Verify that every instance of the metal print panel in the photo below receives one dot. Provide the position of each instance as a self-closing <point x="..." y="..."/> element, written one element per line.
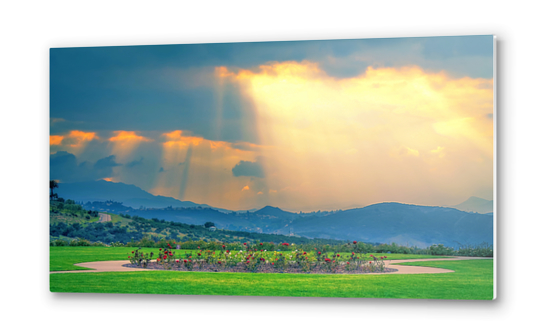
<point x="336" y="168"/>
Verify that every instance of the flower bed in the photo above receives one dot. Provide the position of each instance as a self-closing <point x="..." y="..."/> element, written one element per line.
<point x="254" y="259"/>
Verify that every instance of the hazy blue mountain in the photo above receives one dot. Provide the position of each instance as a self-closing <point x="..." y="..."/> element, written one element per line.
<point x="476" y="205"/>
<point x="402" y="224"/>
<point x="276" y="212"/>
<point x="129" y="195"/>
<point x="381" y="223"/>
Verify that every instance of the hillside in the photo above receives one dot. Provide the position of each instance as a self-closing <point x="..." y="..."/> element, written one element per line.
<point x="70" y="221"/>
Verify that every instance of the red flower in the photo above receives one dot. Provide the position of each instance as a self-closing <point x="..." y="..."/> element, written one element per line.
<point x="338" y="255"/>
<point x="381" y="257"/>
<point x="304" y="253"/>
<point x="158" y="259"/>
<point x="227" y="251"/>
<point x="354" y="242"/>
<point x="272" y="263"/>
<point x="385" y="257"/>
<point x="333" y="260"/>
<point x="177" y="260"/>
<point x="347" y="263"/>
<point x="244" y="243"/>
<point x="219" y="262"/>
<point x="261" y="243"/>
<point x="223" y="246"/>
<point x="319" y="253"/>
<point x="285" y="244"/>
<point x="370" y="262"/>
<point x="248" y="261"/>
<point x="199" y="254"/>
<point x="132" y="251"/>
<point x="314" y="249"/>
<point x="198" y="247"/>
<point x="128" y="256"/>
<point x="262" y="259"/>
<point x="165" y="257"/>
<point x="261" y="250"/>
<point x="190" y="260"/>
<point x="160" y="249"/>
<point x="352" y="253"/>
<point x="185" y="260"/>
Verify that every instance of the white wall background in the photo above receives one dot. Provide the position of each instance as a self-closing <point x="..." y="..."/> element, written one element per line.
<point x="29" y="29"/>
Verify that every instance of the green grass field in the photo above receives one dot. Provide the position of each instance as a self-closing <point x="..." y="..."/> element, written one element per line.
<point x="472" y="279"/>
<point x="62" y="258"/>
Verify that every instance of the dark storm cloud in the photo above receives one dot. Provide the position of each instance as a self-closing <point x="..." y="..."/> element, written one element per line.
<point x="170" y="87"/>
<point x="64" y="167"/>
<point x="135" y="163"/>
<point x="248" y="169"/>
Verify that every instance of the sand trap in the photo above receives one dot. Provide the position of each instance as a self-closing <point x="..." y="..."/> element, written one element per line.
<point x="117" y="266"/>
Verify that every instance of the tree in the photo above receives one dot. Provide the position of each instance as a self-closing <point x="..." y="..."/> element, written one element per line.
<point x="208" y="225"/>
<point x="52" y="185"/>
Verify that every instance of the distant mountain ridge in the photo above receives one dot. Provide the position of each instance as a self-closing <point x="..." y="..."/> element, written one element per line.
<point x="129" y="195"/>
<point x="476" y="205"/>
<point x="380" y="223"/>
<point x="402" y="224"/>
<point x="384" y="222"/>
<point x="276" y="212"/>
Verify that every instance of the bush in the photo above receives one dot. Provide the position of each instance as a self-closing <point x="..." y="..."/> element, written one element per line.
<point x="58" y="242"/>
<point x="80" y="242"/>
<point x="440" y="249"/>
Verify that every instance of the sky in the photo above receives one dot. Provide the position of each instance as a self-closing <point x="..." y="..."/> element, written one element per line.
<point x="304" y="126"/>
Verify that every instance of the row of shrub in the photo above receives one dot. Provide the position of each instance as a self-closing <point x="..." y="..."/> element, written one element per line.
<point x="75" y="242"/>
<point x="254" y="258"/>
<point x="481" y="250"/>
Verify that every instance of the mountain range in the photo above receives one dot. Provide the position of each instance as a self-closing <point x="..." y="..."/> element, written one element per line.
<point x="389" y="222"/>
<point x="129" y="195"/>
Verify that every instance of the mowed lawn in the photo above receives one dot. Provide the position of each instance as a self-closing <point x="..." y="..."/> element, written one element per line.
<point x="62" y="258"/>
<point x="472" y="279"/>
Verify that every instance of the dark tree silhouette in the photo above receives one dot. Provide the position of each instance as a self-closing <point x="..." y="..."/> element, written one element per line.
<point x="52" y="185"/>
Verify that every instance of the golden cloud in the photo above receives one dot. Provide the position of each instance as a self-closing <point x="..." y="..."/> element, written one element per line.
<point x="55" y="140"/>
<point x="345" y="141"/>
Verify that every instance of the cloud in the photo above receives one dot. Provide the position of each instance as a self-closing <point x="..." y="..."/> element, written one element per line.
<point x="248" y="169"/>
<point x="135" y="163"/>
<point x="65" y="168"/>
<point x="55" y="140"/>
<point x="106" y="163"/>
<point x="124" y="143"/>
<point x="127" y="136"/>
<point x="246" y="188"/>
<point x="168" y="87"/>
<point x="350" y="141"/>
<point x="74" y="140"/>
